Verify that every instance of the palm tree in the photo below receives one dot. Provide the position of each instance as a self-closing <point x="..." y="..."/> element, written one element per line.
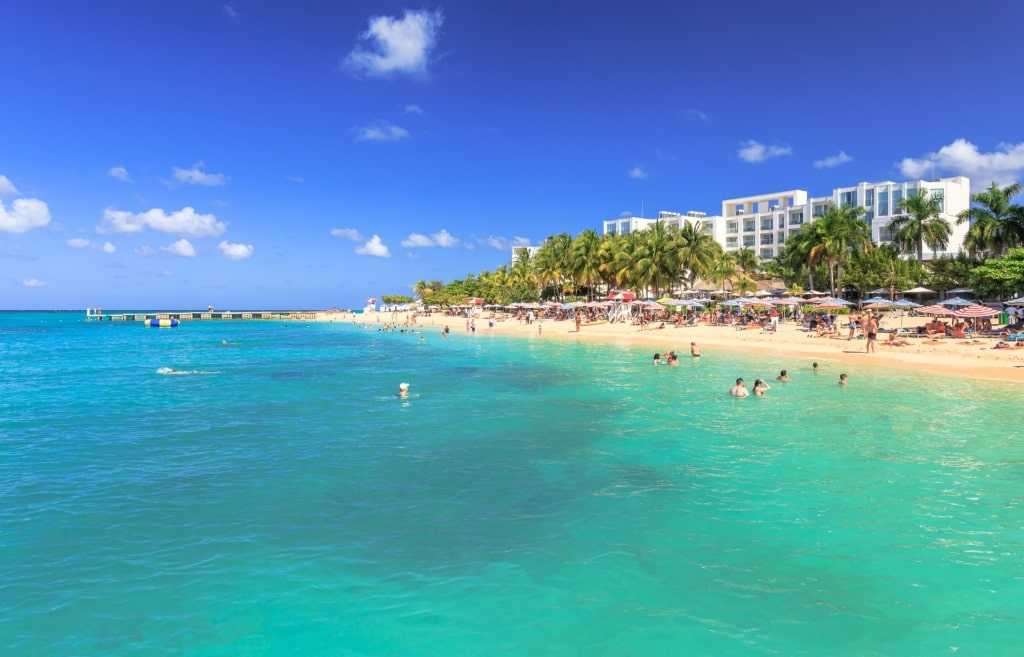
<point x="746" y="260"/>
<point x="995" y="222"/>
<point x="722" y="270"/>
<point x="553" y="263"/>
<point x="837" y="233"/>
<point x="657" y="261"/>
<point x="422" y="290"/>
<point x="585" y="260"/>
<point x="698" y="252"/>
<point x="920" y="224"/>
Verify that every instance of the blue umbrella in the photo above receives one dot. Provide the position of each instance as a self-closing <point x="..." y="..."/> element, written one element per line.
<point x="905" y="303"/>
<point x="878" y="300"/>
<point x="956" y="301"/>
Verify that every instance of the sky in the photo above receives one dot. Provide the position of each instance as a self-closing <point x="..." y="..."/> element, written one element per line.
<point x="257" y="154"/>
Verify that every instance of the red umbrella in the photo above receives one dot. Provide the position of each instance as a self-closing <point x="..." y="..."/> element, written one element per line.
<point x="934" y="310"/>
<point x="975" y="311"/>
<point x="621" y="296"/>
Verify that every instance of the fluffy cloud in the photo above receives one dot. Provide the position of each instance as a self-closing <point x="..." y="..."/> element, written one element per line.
<point x="396" y="45"/>
<point x="24" y="215"/>
<point x="381" y="131"/>
<point x="82" y="243"/>
<point x="503" y="243"/>
<point x="833" y="161"/>
<point x="347" y="234"/>
<point x="1004" y="166"/>
<point x="754" y="151"/>
<point x="413" y="109"/>
<point x="374" y="248"/>
<point x="638" y="173"/>
<point x="182" y="248"/>
<point x="441" y="238"/>
<point x="7" y="188"/>
<point x="120" y="173"/>
<point x="196" y="176"/>
<point x="235" y="251"/>
<point x="183" y="222"/>
<point x="33" y="282"/>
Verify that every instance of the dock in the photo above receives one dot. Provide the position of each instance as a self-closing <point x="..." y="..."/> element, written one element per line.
<point x="98" y="315"/>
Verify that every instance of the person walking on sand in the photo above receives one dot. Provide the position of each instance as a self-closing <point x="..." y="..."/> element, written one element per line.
<point x="870" y="332"/>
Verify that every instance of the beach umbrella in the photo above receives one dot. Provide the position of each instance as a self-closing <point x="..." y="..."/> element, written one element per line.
<point x="877" y="306"/>
<point x="934" y="310"/>
<point x="621" y="296"/>
<point x="652" y="305"/>
<point x="905" y="303"/>
<point x="956" y="301"/>
<point x="879" y="290"/>
<point x="833" y="301"/>
<point x="887" y="302"/>
<point x="961" y="290"/>
<point x="1019" y="301"/>
<point x="918" y="290"/>
<point x="975" y="311"/>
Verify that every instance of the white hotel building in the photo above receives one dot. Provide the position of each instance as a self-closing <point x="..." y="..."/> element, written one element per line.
<point x="765" y="221"/>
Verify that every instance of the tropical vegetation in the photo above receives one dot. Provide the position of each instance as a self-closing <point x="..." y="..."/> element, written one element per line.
<point x="836" y="249"/>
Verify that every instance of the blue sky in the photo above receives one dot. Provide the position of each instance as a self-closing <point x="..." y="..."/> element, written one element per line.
<point x="261" y="154"/>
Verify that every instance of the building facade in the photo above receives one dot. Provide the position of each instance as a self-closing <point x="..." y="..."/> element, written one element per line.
<point x="764" y="222"/>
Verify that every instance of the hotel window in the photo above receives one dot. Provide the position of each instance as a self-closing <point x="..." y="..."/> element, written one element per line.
<point x="748" y="226"/>
<point x="869" y="216"/>
<point x="767" y="239"/>
<point x="869" y="197"/>
<point x="782" y="237"/>
<point x="732" y="227"/>
<point x="818" y="210"/>
<point x="897" y="196"/>
<point x="767" y="223"/>
<point x="882" y="210"/>
<point x="625" y="229"/>
<point x="937" y="193"/>
<point x="766" y="253"/>
<point x="748" y="240"/>
<point x="796" y="219"/>
<point x="885" y="234"/>
<point x="730" y="242"/>
<point x="848" y="198"/>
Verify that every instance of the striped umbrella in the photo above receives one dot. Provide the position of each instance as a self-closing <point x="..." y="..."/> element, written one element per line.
<point x="975" y="311"/>
<point x="934" y="310"/>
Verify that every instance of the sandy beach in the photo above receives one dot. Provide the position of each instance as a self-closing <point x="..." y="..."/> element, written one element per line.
<point x="976" y="359"/>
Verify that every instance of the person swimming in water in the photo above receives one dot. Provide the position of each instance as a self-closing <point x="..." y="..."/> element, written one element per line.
<point x="403" y="390"/>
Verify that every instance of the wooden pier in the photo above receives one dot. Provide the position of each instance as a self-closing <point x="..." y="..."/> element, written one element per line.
<point x="196" y="316"/>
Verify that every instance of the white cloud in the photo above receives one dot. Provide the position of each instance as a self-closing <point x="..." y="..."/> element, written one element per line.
<point x="196" y="176"/>
<point x="120" y="173"/>
<point x="413" y="109"/>
<point x="182" y="248"/>
<point x="442" y="238"/>
<point x="347" y="234"/>
<point x="503" y="243"/>
<point x="415" y="240"/>
<point x="396" y="45"/>
<point x="696" y="115"/>
<point x="230" y="12"/>
<point x="235" y="251"/>
<point x="7" y="188"/>
<point x="381" y="131"/>
<point x="24" y="215"/>
<point x="295" y="179"/>
<point x="183" y="222"/>
<point x="33" y="282"/>
<point x="374" y="248"/>
<point x="1003" y="166"/>
<point x="833" y="161"/>
<point x="82" y="243"/>
<point x="754" y="151"/>
<point x="637" y="173"/>
<point x="145" y="251"/>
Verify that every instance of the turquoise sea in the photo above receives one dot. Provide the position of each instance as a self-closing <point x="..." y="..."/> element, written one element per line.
<point x="531" y="497"/>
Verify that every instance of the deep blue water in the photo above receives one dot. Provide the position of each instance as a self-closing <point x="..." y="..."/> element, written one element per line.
<point x="531" y="497"/>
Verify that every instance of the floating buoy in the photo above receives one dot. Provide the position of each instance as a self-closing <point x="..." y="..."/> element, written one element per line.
<point x="161" y="323"/>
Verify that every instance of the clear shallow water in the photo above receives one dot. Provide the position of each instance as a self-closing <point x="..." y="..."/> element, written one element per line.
<point x="531" y="497"/>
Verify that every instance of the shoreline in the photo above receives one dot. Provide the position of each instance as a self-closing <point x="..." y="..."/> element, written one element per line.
<point x="946" y="357"/>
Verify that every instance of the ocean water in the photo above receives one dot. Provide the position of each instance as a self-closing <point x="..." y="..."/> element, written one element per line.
<point x="531" y="497"/>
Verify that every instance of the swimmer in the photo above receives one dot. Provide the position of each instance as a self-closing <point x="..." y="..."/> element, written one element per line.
<point x="694" y="350"/>
<point x="223" y="341"/>
<point x="170" y="370"/>
<point x="842" y="379"/>
<point x="814" y="367"/>
<point x="739" y="390"/>
<point x="783" y="376"/>
<point x="760" y="387"/>
<point x="403" y="390"/>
